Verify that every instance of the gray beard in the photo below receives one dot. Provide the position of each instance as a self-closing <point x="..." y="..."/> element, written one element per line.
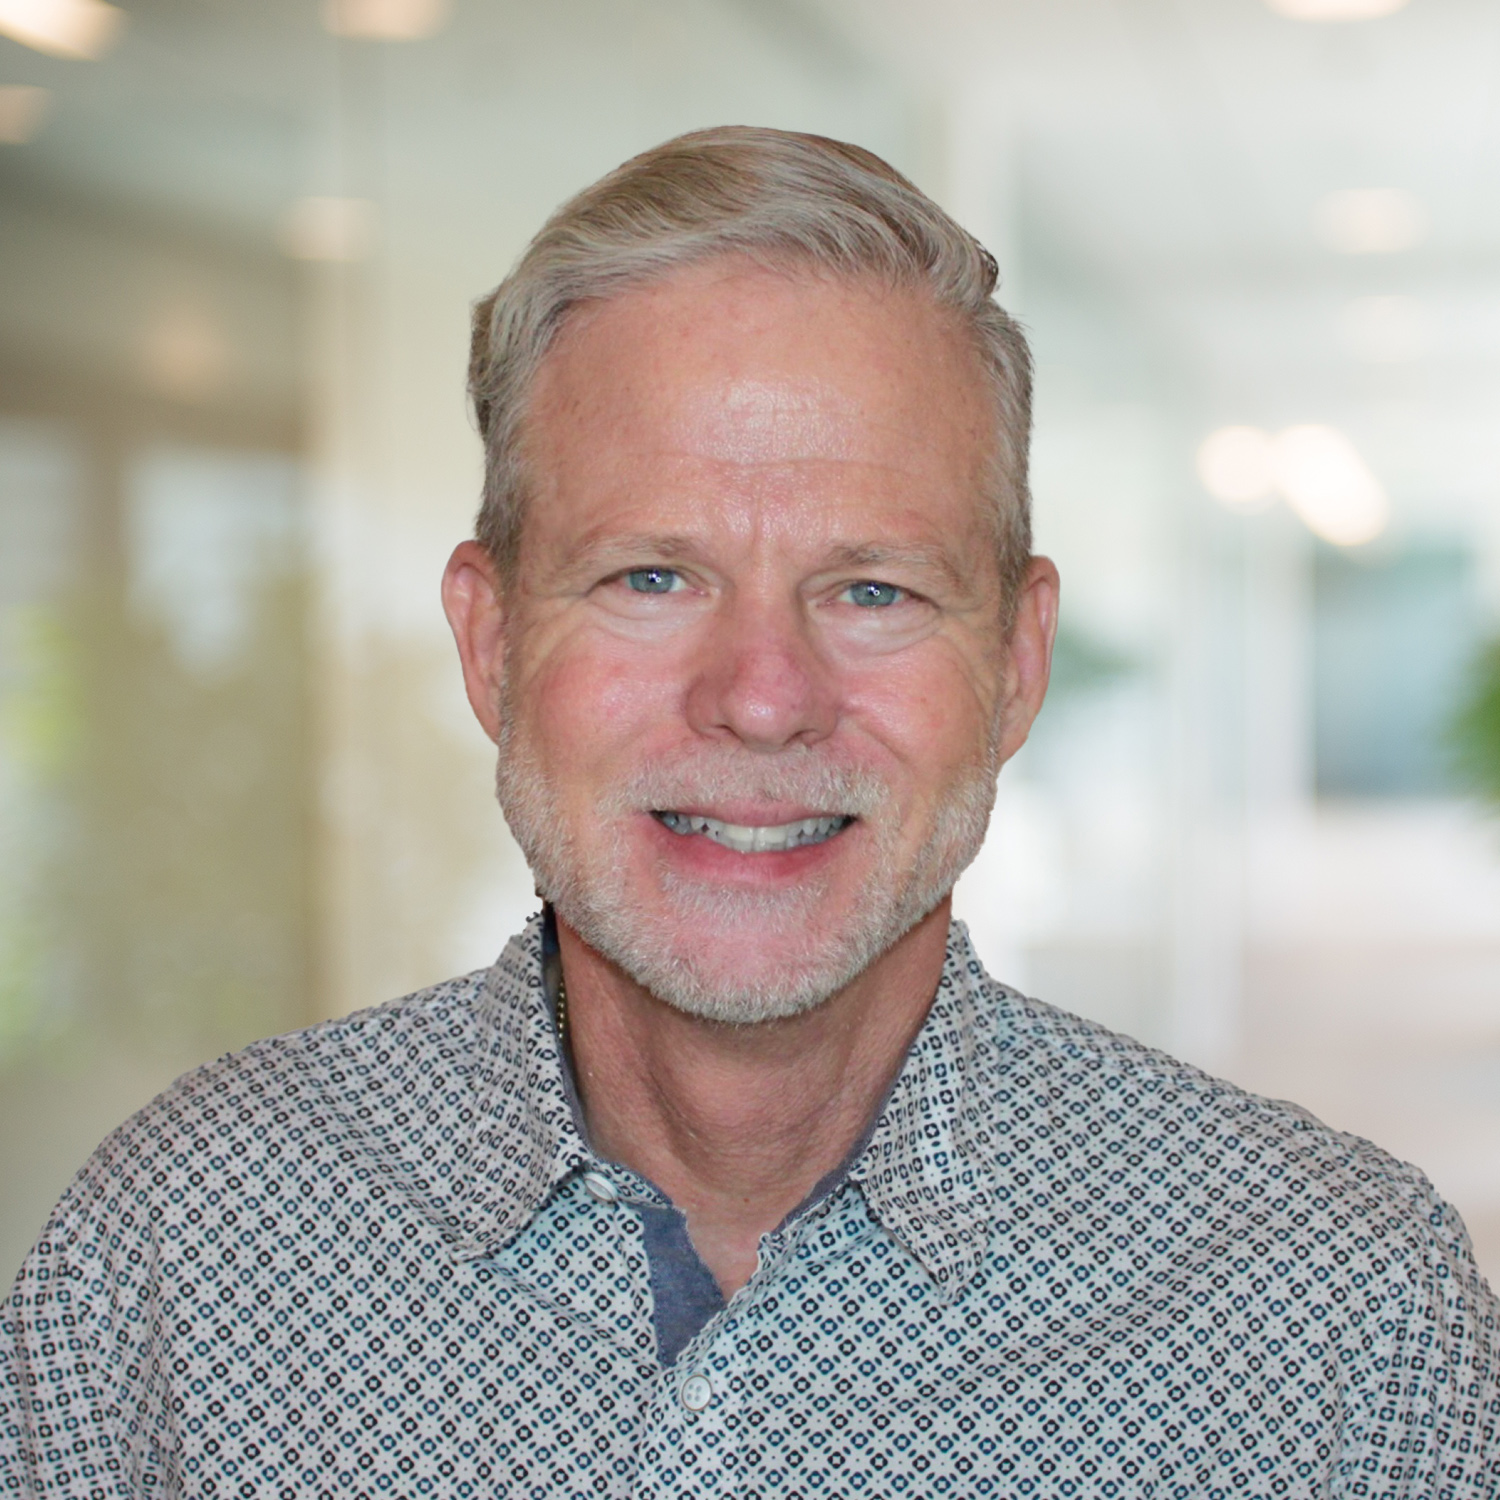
<point x="671" y="953"/>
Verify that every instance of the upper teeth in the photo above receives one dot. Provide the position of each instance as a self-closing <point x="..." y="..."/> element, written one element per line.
<point x="751" y="840"/>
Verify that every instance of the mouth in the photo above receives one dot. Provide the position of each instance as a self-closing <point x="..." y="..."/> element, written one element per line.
<point x="756" y="839"/>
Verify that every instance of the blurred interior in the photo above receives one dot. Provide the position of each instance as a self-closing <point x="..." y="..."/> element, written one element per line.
<point x="1257" y="247"/>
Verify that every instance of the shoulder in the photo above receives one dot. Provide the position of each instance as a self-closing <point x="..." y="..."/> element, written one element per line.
<point x="1214" y="1214"/>
<point x="1145" y="1125"/>
<point x="340" y="1091"/>
<point x="1235" y="1200"/>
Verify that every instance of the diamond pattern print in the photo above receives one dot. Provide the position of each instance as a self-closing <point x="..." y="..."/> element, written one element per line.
<point x="362" y="1260"/>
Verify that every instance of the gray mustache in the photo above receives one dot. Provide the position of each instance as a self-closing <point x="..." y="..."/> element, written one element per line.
<point x="708" y="777"/>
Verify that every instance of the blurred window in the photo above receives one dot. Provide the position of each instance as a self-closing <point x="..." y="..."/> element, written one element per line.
<point x="206" y="533"/>
<point x="1392" y="634"/>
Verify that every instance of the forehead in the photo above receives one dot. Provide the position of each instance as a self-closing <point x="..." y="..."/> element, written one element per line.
<point x="748" y="378"/>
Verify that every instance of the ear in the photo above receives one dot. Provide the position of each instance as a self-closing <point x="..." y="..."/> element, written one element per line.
<point x="1028" y="663"/>
<point x="474" y="604"/>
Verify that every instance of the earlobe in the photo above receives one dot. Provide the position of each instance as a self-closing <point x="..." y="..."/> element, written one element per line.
<point x="474" y="605"/>
<point x="1029" y="663"/>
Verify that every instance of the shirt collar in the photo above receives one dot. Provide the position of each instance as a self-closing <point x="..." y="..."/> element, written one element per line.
<point x="527" y="1134"/>
<point x="928" y="1172"/>
<point x="926" y="1169"/>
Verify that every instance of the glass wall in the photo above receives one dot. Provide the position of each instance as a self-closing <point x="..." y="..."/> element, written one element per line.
<point x="239" y="787"/>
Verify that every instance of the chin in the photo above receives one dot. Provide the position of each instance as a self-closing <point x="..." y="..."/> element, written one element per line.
<point x="749" y="957"/>
<point x="717" y="987"/>
<point x="728" y="957"/>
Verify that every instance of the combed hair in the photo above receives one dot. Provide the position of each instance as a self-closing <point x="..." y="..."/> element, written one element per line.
<point x="784" y="200"/>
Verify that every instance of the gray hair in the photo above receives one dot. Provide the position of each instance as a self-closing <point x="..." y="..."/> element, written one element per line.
<point x="785" y="200"/>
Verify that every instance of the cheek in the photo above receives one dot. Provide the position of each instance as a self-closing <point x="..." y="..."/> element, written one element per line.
<point x="931" y="716"/>
<point x="592" y="697"/>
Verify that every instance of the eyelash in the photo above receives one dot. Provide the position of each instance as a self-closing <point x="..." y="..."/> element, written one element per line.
<point x="640" y="581"/>
<point x="653" y="573"/>
<point x="871" y="585"/>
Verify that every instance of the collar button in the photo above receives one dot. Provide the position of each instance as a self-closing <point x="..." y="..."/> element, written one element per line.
<point x="599" y="1186"/>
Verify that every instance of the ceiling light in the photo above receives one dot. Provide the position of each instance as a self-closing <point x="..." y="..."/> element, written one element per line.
<point x="22" y="106"/>
<point x="1329" y="486"/>
<point x="1370" y="221"/>
<point x="385" y="20"/>
<point x="184" y="354"/>
<point x="1335" y="10"/>
<point x="1386" y="330"/>
<point x="1235" y="465"/>
<point x="84" y="29"/>
<point x="332" y="229"/>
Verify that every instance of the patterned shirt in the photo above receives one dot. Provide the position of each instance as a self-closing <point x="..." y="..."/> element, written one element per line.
<point x="378" y="1258"/>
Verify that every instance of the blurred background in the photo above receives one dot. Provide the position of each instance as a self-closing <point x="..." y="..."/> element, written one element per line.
<point x="1257" y="246"/>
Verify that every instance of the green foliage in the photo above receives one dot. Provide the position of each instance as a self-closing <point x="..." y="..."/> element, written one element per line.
<point x="1081" y="661"/>
<point x="41" y="730"/>
<point x="1475" y="731"/>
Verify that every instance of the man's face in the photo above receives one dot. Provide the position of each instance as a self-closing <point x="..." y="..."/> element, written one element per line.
<point x="752" y="677"/>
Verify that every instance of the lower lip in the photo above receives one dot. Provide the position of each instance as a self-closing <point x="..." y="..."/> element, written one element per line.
<point x="697" y="854"/>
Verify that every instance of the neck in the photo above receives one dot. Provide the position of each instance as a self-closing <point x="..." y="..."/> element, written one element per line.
<point x="737" y="1124"/>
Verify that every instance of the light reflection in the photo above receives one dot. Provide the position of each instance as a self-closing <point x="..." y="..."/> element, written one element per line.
<point x="329" y="229"/>
<point x="1235" y="466"/>
<point x="1328" y="484"/>
<point x="80" y="29"/>
<point x="385" y="20"/>
<point x="23" y="106"/>
<point x="1336" y="10"/>
<point x="1370" y="221"/>
<point x="184" y="354"/>
<point x="1316" y="470"/>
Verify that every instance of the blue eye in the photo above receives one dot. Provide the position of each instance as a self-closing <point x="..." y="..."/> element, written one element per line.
<point x="652" y="580"/>
<point x="872" y="595"/>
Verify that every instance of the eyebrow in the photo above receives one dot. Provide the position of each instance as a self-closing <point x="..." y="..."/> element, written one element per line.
<point x="873" y="555"/>
<point x="630" y="545"/>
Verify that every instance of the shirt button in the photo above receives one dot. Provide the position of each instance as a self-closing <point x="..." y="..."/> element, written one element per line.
<point x="600" y="1187"/>
<point x="696" y="1392"/>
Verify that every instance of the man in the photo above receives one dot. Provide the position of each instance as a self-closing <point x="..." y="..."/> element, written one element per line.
<point x="736" y="1174"/>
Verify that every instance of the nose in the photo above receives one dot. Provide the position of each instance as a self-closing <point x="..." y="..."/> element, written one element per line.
<point x="760" y="678"/>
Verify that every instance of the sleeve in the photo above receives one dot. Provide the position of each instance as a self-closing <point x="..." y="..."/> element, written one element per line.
<point x="1432" y="1427"/>
<point x="52" y="1438"/>
<point x="75" y="1336"/>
